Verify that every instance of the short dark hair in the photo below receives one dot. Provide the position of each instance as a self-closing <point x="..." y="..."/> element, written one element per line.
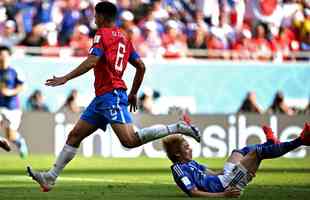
<point x="106" y="9"/>
<point x="5" y="48"/>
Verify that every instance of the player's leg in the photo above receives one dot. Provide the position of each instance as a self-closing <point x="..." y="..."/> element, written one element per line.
<point x="240" y="174"/>
<point x="252" y="160"/>
<point x="121" y="122"/>
<point x="242" y="165"/>
<point x="270" y="139"/>
<point x="47" y="180"/>
<point x="4" y="144"/>
<point x="131" y="138"/>
<point x="81" y="130"/>
<point x="17" y="139"/>
<point x="126" y="135"/>
<point x="277" y="150"/>
<point x="10" y="121"/>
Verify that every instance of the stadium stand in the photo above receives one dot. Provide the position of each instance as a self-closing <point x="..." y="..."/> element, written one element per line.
<point x="245" y="29"/>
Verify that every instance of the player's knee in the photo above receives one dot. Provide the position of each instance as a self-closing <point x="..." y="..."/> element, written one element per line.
<point x="253" y="155"/>
<point x="129" y="143"/>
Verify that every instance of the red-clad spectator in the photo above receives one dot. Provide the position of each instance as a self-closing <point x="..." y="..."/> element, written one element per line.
<point x="283" y="44"/>
<point x="244" y="47"/>
<point x="174" y="41"/>
<point x="263" y="49"/>
<point x="80" y="41"/>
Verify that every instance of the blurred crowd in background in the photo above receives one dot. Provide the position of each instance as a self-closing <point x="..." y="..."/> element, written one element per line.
<point x="251" y="29"/>
<point x="220" y="29"/>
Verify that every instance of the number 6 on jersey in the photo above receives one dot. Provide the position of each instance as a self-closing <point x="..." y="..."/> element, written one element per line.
<point x="120" y="56"/>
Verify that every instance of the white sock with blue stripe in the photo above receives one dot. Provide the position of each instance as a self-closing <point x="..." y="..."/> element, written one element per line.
<point x="155" y="132"/>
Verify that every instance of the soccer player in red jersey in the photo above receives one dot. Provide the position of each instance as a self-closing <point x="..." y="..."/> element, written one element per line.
<point x="108" y="57"/>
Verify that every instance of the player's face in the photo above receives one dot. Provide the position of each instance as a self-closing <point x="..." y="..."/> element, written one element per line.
<point x="98" y="20"/>
<point x="186" y="152"/>
<point x="4" y="58"/>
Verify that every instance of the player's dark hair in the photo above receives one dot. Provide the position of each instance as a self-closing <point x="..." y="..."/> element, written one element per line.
<point x="5" y="48"/>
<point x="106" y="9"/>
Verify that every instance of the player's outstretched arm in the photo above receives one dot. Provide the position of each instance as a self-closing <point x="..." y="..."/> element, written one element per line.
<point x="229" y="192"/>
<point x="84" y="67"/>
<point x="140" y="70"/>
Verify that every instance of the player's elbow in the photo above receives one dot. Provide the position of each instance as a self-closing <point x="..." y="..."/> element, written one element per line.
<point x="141" y="68"/>
<point x="193" y="193"/>
<point x="139" y="65"/>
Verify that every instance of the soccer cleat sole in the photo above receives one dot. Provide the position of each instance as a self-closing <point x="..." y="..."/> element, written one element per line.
<point x="197" y="133"/>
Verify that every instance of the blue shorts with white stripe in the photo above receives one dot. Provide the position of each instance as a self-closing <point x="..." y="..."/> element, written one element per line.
<point x="109" y="108"/>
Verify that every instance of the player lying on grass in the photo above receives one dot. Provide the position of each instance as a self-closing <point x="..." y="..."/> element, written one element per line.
<point x="4" y="144"/>
<point x="197" y="180"/>
<point x="108" y="56"/>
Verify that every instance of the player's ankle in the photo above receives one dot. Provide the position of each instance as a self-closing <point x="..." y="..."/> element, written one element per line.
<point x="52" y="175"/>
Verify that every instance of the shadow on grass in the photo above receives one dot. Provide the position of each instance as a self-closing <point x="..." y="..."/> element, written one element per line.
<point x="118" y="191"/>
<point x="126" y="171"/>
<point x="110" y="191"/>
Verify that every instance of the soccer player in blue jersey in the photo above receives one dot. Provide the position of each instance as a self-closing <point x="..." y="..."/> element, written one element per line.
<point x="197" y="180"/>
<point x="11" y="84"/>
<point x="109" y="55"/>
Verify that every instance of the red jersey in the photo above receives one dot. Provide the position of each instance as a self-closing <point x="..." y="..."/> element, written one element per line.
<point x="115" y="50"/>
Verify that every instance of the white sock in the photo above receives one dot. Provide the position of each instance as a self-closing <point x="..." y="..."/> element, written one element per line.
<point x="155" y="132"/>
<point x="18" y="140"/>
<point x="64" y="157"/>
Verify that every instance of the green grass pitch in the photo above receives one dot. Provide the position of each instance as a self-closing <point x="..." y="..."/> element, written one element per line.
<point x="141" y="178"/>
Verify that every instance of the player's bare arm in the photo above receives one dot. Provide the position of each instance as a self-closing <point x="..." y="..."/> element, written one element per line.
<point x="140" y="70"/>
<point x="12" y="92"/>
<point x="84" y="67"/>
<point x="230" y="192"/>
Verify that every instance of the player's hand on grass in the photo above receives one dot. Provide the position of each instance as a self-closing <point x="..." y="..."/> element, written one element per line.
<point x="132" y="100"/>
<point x="55" y="81"/>
<point x="232" y="192"/>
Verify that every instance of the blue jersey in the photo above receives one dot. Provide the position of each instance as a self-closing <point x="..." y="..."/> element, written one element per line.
<point x="9" y="78"/>
<point x="192" y="174"/>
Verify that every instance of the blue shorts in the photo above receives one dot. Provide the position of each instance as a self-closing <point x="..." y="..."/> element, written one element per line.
<point x="109" y="108"/>
<point x="213" y="184"/>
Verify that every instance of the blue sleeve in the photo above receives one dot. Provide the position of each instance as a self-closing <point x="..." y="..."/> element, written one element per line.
<point x="182" y="179"/>
<point x="133" y="56"/>
<point x="19" y="77"/>
<point x="201" y="167"/>
<point x="96" y="52"/>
